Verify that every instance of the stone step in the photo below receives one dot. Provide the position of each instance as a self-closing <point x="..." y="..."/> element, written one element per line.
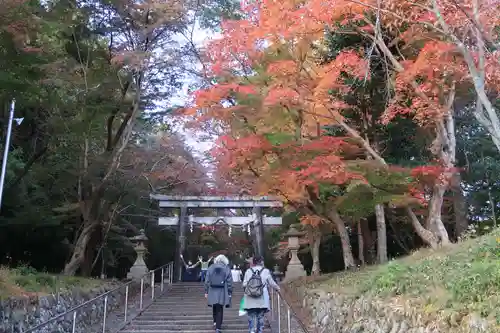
<point x="180" y="316"/>
<point x="183" y="293"/>
<point x="192" y="298"/>
<point x="184" y="331"/>
<point x="165" y="315"/>
<point x="184" y="316"/>
<point x="228" y="321"/>
<point x="200" y="307"/>
<point x="189" y="326"/>
<point x="201" y="304"/>
<point x="183" y="308"/>
<point x="192" y="310"/>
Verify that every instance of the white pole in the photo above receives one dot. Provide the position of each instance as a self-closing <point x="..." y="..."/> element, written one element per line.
<point x="6" y="150"/>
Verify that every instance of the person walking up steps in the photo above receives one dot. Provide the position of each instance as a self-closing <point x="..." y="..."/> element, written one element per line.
<point x="219" y="289"/>
<point x="204" y="267"/>
<point x="189" y="274"/>
<point x="236" y="273"/>
<point x="256" y="302"/>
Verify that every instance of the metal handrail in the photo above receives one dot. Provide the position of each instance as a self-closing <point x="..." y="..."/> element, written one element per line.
<point x="278" y="299"/>
<point x="167" y="269"/>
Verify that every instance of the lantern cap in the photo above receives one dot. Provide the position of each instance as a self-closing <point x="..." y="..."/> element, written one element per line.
<point x="141" y="237"/>
<point x="292" y="232"/>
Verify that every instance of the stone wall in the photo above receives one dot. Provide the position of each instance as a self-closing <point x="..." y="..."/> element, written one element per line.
<point x="19" y="314"/>
<point x="336" y="313"/>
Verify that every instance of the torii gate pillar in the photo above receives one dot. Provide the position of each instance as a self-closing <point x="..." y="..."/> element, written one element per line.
<point x="259" y="232"/>
<point x="181" y="243"/>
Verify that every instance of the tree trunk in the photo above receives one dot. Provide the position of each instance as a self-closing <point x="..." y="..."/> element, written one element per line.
<point x="436" y="221"/>
<point x="493" y="210"/>
<point x="368" y="242"/>
<point x="78" y="255"/>
<point x="95" y="242"/>
<point x="381" y="234"/>
<point x="427" y="236"/>
<point x="459" y="205"/>
<point x="315" y="244"/>
<point x="344" y="239"/>
<point x="445" y="137"/>
<point x="361" y="245"/>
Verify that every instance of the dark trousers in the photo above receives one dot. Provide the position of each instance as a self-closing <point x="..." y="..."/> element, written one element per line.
<point x="218" y="312"/>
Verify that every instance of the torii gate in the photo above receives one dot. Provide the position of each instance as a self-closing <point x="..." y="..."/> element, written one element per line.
<point x="182" y="219"/>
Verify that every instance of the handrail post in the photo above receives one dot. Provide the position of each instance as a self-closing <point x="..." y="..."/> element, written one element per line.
<point x="73" y="327"/>
<point x="279" y="313"/>
<point x="162" y="278"/>
<point x="289" y="319"/>
<point x="273" y="295"/>
<point x="152" y="285"/>
<point x="105" y="313"/>
<point x="126" y="305"/>
<point x="142" y="291"/>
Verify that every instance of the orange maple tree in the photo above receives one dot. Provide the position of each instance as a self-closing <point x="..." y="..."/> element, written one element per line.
<point x="270" y="78"/>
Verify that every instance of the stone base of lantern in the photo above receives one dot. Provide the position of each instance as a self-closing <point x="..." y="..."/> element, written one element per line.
<point x="294" y="271"/>
<point x="137" y="271"/>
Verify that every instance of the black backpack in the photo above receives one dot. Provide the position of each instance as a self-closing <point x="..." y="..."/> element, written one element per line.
<point x="255" y="286"/>
<point x="218" y="277"/>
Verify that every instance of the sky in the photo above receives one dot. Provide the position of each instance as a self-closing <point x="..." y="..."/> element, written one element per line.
<point x="192" y="138"/>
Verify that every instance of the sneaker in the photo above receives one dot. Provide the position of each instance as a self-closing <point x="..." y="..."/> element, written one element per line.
<point x="214" y="323"/>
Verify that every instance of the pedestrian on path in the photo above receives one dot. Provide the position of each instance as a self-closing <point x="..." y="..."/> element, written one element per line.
<point x="219" y="289"/>
<point x="256" y="283"/>
<point x="189" y="271"/>
<point x="236" y="273"/>
<point x="204" y="267"/>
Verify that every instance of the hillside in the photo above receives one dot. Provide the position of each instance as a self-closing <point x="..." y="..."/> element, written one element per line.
<point x="448" y="288"/>
<point x="25" y="281"/>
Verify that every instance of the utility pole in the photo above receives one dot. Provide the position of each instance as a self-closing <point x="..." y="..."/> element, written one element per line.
<point x="7" y="146"/>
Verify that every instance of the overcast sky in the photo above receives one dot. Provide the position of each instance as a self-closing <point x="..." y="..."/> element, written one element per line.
<point x="193" y="139"/>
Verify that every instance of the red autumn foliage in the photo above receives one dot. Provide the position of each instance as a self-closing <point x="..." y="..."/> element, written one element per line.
<point x="274" y="49"/>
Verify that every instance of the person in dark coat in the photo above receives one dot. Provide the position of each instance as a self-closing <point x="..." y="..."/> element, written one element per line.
<point x="189" y="273"/>
<point x="219" y="289"/>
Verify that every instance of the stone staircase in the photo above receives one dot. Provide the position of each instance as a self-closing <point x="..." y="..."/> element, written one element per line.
<point x="183" y="308"/>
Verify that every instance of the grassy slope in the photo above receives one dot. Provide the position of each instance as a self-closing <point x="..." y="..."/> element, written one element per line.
<point x="452" y="282"/>
<point x="26" y="281"/>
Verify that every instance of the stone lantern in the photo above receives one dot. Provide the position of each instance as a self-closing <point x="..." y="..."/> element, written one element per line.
<point x="139" y="268"/>
<point x="277" y="273"/>
<point x="294" y="269"/>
